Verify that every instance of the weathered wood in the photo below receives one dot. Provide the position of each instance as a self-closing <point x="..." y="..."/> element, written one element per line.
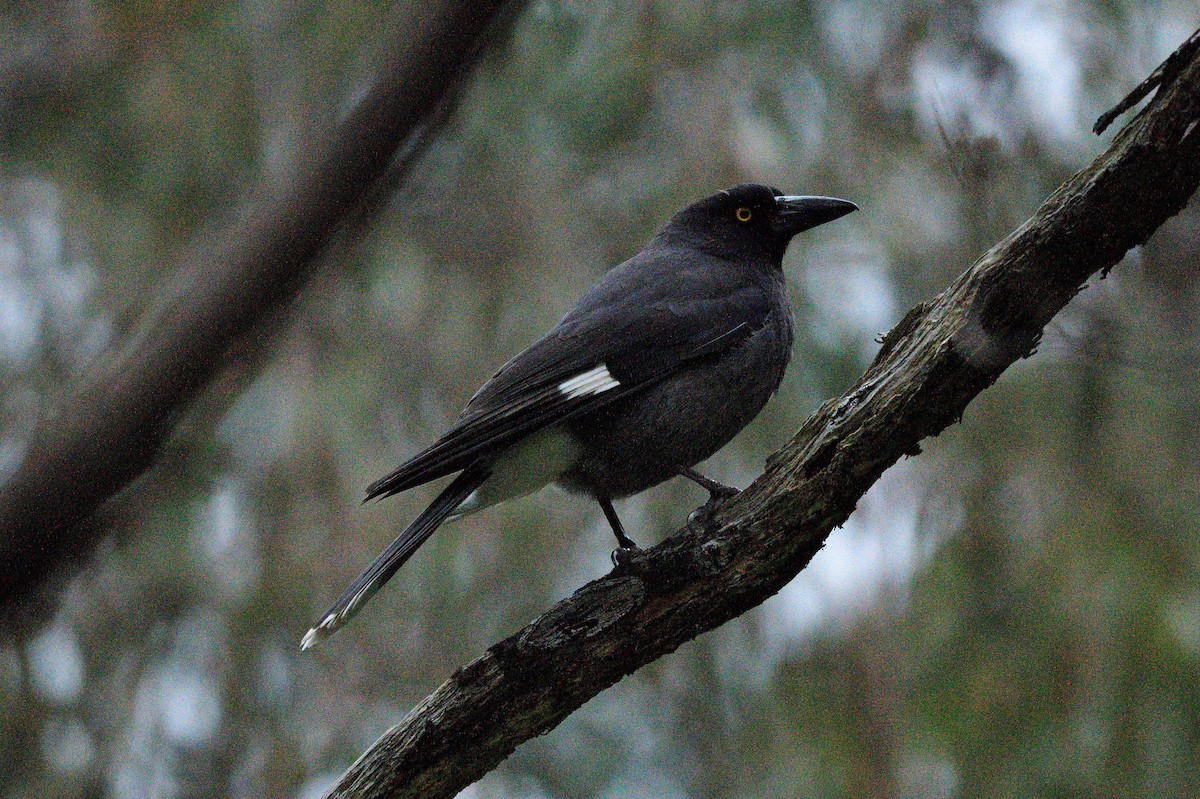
<point x="940" y="356"/>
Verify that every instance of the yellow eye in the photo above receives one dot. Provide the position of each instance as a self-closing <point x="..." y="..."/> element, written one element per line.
<point x="743" y="214"/>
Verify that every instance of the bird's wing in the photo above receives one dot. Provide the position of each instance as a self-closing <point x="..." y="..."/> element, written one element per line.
<point x="600" y="353"/>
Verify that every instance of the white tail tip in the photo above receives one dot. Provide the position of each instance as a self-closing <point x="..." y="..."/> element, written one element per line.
<point x="323" y="629"/>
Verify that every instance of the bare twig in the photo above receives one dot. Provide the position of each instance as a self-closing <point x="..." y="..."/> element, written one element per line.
<point x="1161" y="76"/>
<point x="931" y="365"/>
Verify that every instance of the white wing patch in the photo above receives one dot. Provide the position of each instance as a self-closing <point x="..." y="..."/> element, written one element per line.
<point x="593" y="381"/>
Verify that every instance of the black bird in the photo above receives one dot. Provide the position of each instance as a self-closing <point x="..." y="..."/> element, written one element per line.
<point x="656" y="367"/>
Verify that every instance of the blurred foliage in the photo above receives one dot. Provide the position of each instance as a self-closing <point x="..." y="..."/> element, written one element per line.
<point x="1015" y="613"/>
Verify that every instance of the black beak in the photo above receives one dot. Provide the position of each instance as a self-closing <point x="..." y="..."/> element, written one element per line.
<point x="797" y="214"/>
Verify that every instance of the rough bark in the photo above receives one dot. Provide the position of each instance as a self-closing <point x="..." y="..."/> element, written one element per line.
<point x="111" y="427"/>
<point x="935" y="361"/>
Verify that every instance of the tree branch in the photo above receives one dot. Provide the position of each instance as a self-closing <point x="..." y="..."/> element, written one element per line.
<point x="111" y="428"/>
<point x="931" y="365"/>
<point x="1164" y="73"/>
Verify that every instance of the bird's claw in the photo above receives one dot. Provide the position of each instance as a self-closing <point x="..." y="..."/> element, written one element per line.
<point x="622" y="555"/>
<point x="716" y="497"/>
<point x="721" y="494"/>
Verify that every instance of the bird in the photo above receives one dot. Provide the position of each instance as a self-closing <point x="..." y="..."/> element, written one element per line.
<point x="655" y="368"/>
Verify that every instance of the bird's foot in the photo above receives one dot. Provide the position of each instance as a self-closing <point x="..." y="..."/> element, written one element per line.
<point x="624" y="554"/>
<point x="717" y="495"/>
<point x="720" y="493"/>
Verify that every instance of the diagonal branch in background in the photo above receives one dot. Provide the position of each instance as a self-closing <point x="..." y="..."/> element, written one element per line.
<point x="112" y="426"/>
<point x="940" y="356"/>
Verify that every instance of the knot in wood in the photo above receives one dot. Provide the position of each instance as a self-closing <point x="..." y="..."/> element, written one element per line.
<point x="713" y="556"/>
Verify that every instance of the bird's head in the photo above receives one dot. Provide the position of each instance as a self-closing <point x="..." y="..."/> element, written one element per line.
<point x="751" y="221"/>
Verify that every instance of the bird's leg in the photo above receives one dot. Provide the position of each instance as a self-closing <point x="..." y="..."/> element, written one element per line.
<point x="715" y="490"/>
<point x="716" y="493"/>
<point x="623" y="541"/>
<point x="618" y="529"/>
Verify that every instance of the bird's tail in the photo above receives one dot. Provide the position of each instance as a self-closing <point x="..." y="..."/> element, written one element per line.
<point x="400" y="550"/>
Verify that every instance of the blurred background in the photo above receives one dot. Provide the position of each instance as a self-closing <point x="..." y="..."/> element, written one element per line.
<point x="1014" y="613"/>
